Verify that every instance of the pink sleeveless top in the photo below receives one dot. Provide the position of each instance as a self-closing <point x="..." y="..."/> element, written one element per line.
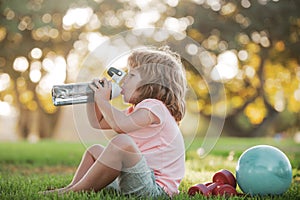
<point x="162" y="145"/>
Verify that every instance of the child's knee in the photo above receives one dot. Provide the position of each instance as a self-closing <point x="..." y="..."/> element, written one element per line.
<point x="95" y="150"/>
<point x="124" y="143"/>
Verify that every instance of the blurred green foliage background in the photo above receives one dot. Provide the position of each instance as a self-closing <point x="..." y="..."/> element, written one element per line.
<point x="253" y="48"/>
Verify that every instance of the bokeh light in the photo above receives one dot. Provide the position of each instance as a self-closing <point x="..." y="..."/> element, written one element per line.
<point x="226" y="68"/>
<point x="21" y="64"/>
<point x="36" y="53"/>
<point x="5" y="108"/>
<point x="77" y="17"/>
<point x="4" y="81"/>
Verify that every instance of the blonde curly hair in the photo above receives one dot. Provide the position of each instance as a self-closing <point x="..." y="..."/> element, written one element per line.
<point x="163" y="78"/>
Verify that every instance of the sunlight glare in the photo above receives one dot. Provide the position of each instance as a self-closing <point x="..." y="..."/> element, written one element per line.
<point x="297" y="95"/>
<point x="21" y="64"/>
<point x="46" y="18"/>
<point x="228" y="9"/>
<point x="249" y="71"/>
<point x="160" y="36"/>
<point x="94" y="23"/>
<point x="36" y="53"/>
<point x="77" y="17"/>
<point x="35" y="71"/>
<point x="255" y="36"/>
<point x="214" y="4"/>
<point x="146" y="19"/>
<point x="95" y="39"/>
<point x="56" y="67"/>
<point x="60" y="68"/>
<point x="279" y="101"/>
<point x="207" y="59"/>
<point x="4" y="81"/>
<point x="199" y="2"/>
<point x="48" y="64"/>
<point x="243" y="55"/>
<point x="142" y="4"/>
<point x="178" y="25"/>
<point x="191" y="49"/>
<point x="227" y="67"/>
<point x="172" y="3"/>
<point x="35" y="75"/>
<point x="5" y="109"/>
<point x="246" y="3"/>
<point x="8" y="98"/>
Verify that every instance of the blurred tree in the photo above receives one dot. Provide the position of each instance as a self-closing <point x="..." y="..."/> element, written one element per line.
<point x="254" y="47"/>
<point x="264" y="36"/>
<point x="36" y="43"/>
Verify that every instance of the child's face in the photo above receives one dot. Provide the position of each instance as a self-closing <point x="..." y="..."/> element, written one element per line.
<point x="129" y="86"/>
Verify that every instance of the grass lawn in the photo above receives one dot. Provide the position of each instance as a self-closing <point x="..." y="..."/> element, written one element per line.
<point x="26" y="169"/>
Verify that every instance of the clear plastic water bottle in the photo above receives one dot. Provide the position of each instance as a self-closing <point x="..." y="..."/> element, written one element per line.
<point x="78" y="93"/>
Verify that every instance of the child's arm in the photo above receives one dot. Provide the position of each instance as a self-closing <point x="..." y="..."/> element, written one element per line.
<point x="117" y="119"/>
<point x="95" y="117"/>
<point x="122" y="123"/>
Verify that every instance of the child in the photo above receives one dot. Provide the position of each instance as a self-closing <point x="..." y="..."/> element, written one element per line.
<point x="146" y="158"/>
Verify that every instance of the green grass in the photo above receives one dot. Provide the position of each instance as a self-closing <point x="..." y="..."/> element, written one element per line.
<point x="26" y="169"/>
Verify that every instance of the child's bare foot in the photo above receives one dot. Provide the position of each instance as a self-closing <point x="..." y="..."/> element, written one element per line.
<point x="58" y="190"/>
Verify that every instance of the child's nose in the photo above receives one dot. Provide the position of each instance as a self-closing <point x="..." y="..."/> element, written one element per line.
<point x="124" y="81"/>
<point x="122" y="84"/>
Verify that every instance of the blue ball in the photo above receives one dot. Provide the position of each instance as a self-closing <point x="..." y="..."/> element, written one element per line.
<point x="264" y="170"/>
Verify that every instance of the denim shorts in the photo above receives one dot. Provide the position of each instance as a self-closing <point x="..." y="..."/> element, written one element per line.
<point x="138" y="181"/>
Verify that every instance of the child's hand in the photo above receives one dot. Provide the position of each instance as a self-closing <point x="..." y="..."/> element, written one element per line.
<point x="102" y="89"/>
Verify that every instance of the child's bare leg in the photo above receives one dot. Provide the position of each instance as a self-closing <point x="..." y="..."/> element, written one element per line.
<point x="88" y="159"/>
<point x="120" y="153"/>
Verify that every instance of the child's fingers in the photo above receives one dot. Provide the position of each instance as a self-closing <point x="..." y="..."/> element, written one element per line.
<point x="95" y="84"/>
<point x="96" y="80"/>
<point x="98" y="83"/>
<point x="106" y="83"/>
<point x="93" y="87"/>
<point x="109" y="85"/>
